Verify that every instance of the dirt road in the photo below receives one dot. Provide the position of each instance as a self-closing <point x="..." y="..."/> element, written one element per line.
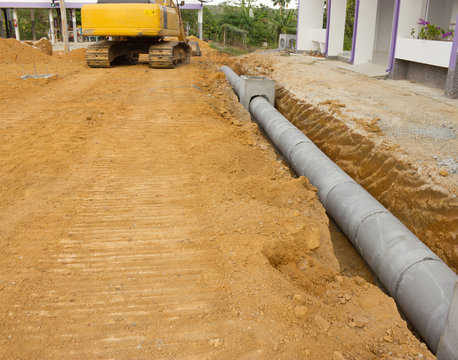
<point x="144" y="216"/>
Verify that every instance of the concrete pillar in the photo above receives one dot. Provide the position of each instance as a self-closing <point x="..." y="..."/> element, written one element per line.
<point x="366" y="24"/>
<point x="51" y="26"/>
<point x="75" y="30"/>
<point x="310" y="16"/>
<point x="32" y="19"/>
<point x="409" y="13"/>
<point x="338" y="12"/>
<point x="451" y="84"/>
<point x="16" y="25"/>
<point x="200" y="19"/>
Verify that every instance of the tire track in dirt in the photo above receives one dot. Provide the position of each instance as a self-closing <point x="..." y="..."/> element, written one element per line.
<point x="128" y="270"/>
<point x="131" y="243"/>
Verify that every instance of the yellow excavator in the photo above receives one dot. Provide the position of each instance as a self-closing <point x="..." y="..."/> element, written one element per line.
<point x="135" y="27"/>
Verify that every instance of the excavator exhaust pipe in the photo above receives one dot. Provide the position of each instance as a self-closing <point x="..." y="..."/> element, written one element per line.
<point x="423" y="286"/>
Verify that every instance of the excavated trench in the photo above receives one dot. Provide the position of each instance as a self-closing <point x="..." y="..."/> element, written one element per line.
<point x="306" y="117"/>
<point x="427" y="210"/>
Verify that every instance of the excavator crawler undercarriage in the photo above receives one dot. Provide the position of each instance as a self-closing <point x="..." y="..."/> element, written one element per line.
<point x="161" y="54"/>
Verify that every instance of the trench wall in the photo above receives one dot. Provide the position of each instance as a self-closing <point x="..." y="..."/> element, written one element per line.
<point x="427" y="210"/>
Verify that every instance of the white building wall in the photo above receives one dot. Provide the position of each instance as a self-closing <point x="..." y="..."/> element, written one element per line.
<point x="384" y="26"/>
<point x="454" y="12"/>
<point x="409" y="13"/>
<point x="337" y="27"/>
<point x="310" y="17"/>
<point x="365" y="36"/>
<point x="439" y="12"/>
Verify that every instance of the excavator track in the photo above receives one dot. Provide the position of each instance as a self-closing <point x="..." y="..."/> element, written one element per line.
<point x="98" y="54"/>
<point x="168" y="54"/>
<point x="105" y="53"/>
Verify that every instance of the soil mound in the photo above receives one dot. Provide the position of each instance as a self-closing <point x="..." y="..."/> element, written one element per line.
<point x="218" y="58"/>
<point x="44" y="45"/>
<point x="15" y="52"/>
<point x="202" y="44"/>
<point x="74" y="55"/>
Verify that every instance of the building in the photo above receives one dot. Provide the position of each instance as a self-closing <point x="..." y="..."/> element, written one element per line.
<point x="382" y="34"/>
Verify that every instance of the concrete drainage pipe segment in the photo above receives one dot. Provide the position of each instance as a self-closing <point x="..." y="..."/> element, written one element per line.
<point x="235" y="80"/>
<point x="419" y="281"/>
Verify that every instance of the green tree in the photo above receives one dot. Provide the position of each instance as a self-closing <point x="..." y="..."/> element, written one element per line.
<point x="281" y="4"/>
<point x="25" y="23"/>
<point x="349" y="21"/>
<point x="284" y="22"/>
<point x="190" y="21"/>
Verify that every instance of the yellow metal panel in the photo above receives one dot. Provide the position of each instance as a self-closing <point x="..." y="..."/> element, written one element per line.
<point x="128" y="20"/>
<point x="172" y="19"/>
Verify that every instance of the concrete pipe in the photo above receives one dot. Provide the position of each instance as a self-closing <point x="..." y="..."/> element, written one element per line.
<point x="419" y="281"/>
<point x="235" y="80"/>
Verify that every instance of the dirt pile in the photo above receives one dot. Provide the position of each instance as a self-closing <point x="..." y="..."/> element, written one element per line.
<point x="44" y="45"/>
<point x="218" y="58"/>
<point x="14" y="52"/>
<point x="74" y="55"/>
<point x="202" y="44"/>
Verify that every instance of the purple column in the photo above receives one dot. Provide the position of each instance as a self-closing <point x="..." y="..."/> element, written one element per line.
<point x="394" y="35"/>
<point x="297" y="22"/>
<point x="355" y="30"/>
<point x="328" y="22"/>
<point x="452" y="63"/>
<point x="451" y="84"/>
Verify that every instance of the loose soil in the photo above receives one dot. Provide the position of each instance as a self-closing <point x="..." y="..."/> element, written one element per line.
<point x="14" y="52"/>
<point x="74" y="55"/>
<point x="143" y="215"/>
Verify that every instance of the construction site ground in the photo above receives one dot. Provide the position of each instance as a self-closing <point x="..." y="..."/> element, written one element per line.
<point x="144" y="216"/>
<point x="397" y="139"/>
